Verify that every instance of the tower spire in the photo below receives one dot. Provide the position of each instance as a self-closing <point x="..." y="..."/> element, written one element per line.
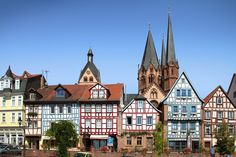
<point x="163" y="53"/>
<point x="170" y="48"/>
<point x="90" y="55"/>
<point x="150" y="55"/>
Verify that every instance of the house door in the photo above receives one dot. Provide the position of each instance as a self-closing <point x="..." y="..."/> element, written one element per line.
<point x="149" y="143"/>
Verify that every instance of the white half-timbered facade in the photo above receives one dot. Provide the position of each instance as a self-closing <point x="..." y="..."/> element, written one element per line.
<point x="139" y="116"/>
<point x="217" y="107"/>
<point x="182" y="116"/>
<point x="99" y="114"/>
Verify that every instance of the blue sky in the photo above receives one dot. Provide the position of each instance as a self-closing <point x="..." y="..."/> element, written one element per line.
<point x="55" y="35"/>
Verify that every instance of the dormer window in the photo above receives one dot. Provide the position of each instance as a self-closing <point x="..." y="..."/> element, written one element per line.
<point x="102" y="93"/>
<point x="91" y="79"/>
<point x="98" y="92"/>
<point x="85" y="79"/>
<point x="95" y="94"/>
<point x="219" y="100"/>
<point x="7" y="83"/>
<point x="32" y="96"/>
<point x="17" y="84"/>
<point x="60" y="93"/>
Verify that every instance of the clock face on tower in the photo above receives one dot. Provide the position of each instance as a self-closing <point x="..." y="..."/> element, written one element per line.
<point x="88" y="72"/>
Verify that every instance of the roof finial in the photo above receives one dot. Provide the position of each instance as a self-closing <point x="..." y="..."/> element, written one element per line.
<point x="149" y="26"/>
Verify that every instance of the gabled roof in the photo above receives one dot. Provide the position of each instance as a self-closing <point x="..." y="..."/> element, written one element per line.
<point x="61" y="86"/>
<point x="172" y="88"/>
<point x="116" y="91"/>
<point x="209" y="96"/>
<point x="150" y="55"/>
<point x="170" y="48"/>
<point x="9" y="73"/>
<point x="129" y="98"/>
<point x="140" y="97"/>
<point x="231" y="82"/>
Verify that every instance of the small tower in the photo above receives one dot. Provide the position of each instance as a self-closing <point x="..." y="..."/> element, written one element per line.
<point x="90" y="74"/>
<point x="150" y="69"/>
<point x="171" y="67"/>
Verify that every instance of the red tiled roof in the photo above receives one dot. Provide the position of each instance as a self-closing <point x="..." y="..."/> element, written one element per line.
<point x="209" y="96"/>
<point x="80" y="92"/>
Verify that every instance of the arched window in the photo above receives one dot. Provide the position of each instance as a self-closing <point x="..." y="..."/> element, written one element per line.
<point x="153" y="94"/>
<point x="151" y="78"/>
<point x="91" y="79"/>
<point x="85" y="79"/>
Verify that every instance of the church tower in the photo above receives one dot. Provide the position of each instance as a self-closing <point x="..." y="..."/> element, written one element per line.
<point x="170" y="63"/>
<point x="90" y="74"/>
<point x="150" y="74"/>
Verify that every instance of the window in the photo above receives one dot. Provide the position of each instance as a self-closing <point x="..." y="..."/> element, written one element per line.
<point x="98" y="123"/>
<point x="69" y="109"/>
<point x="60" y="92"/>
<point x="95" y="93"/>
<point x="102" y="93"/>
<point x="1" y="87"/>
<point x="231" y="114"/>
<point x="60" y="108"/>
<point x="139" y="120"/>
<point x="13" y="117"/>
<point x="129" y="120"/>
<point x="35" y="124"/>
<point x="208" y="114"/>
<point x="31" y="109"/>
<point x="91" y="79"/>
<point x="175" y="108"/>
<point x="17" y="84"/>
<point x="19" y="115"/>
<point x="183" y="126"/>
<point x="184" y="109"/>
<point x="174" y="126"/>
<point x="32" y="96"/>
<point x="193" y="109"/>
<point x="149" y="120"/>
<point x="87" y="123"/>
<point x="219" y="100"/>
<point x="109" y="123"/>
<point x="234" y="95"/>
<point x="178" y="93"/>
<point x="3" y="101"/>
<point x="140" y="104"/>
<point x="85" y="79"/>
<point x="13" y="101"/>
<point x="87" y="108"/>
<point x="139" y="140"/>
<point x="231" y="129"/>
<point x="207" y="129"/>
<point x="109" y="108"/>
<point x="19" y="101"/>
<point x="52" y="107"/>
<point x="219" y="114"/>
<point x="184" y="92"/>
<point x="129" y="141"/>
<point x="98" y="108"/>
<point x="183" y="80"/>
<point x="192" y="126"/>
<point x="3" y="117"/>
<point x="189" y="92"/>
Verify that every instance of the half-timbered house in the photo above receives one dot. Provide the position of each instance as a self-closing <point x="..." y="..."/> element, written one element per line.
<point x="99" y="115"/>
<point x="138" y="122"/>
<point x="182" y="116"/>
<point x="217" y="107"/>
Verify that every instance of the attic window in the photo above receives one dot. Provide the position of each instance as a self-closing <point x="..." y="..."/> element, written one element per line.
<point x="60" y="93"/>
<point x="32" y="96"/>
<point x="85" y="79"/>
<point x="219" y="100"/>
<point x="90" y="79"/>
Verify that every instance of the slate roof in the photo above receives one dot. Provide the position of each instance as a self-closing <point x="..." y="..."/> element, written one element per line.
<point x="92" y="67"/>
<point x="150" y="55"/>
<point x="232" y="89"/>
<point x="129" y="98"/>
<point x="170" y="48"/>
<point x="163" y="54"/>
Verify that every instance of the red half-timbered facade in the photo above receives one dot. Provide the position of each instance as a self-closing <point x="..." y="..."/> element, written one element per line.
<point x="100" y="106"/>
<point x="138" y="120"/>
<point x="217" y="108"/>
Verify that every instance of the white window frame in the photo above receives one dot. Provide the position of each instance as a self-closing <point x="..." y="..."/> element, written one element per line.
<point x="109" y="123"/>
<point x="149" y="120"/>
<point x="139" y="120"/>
<point x="87" y="108"/>
<point x="98" y="124"/>
<point x="98" y="108"/>
<point x="219" y="100"/>
<point x="140" y="104"/>
<point x="13" y="117"/>
<point x="87" y="123"/>
<point x="109" y="108"/>
<point x="13" y="101"/>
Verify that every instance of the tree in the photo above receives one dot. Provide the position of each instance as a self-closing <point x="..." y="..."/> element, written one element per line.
<point x="158" y="138"/>
<point x="225" y="140"/>
<point x="65" y="135"/>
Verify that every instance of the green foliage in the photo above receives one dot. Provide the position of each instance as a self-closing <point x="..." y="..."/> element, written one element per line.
<point x="65" y="135"/>
<point x="225" y="141"/>
<point x="135" y="134"/>
<point x="158" y="138"/>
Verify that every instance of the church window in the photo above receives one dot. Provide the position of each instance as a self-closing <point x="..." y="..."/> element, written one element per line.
<point x="151" y="78"/>
<point x="172" y="71"/>
<point x="85" y="79"/>
<point x="219" y="100"/>
<point x="91" y="79"/>
<point x="153" y="94"/>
